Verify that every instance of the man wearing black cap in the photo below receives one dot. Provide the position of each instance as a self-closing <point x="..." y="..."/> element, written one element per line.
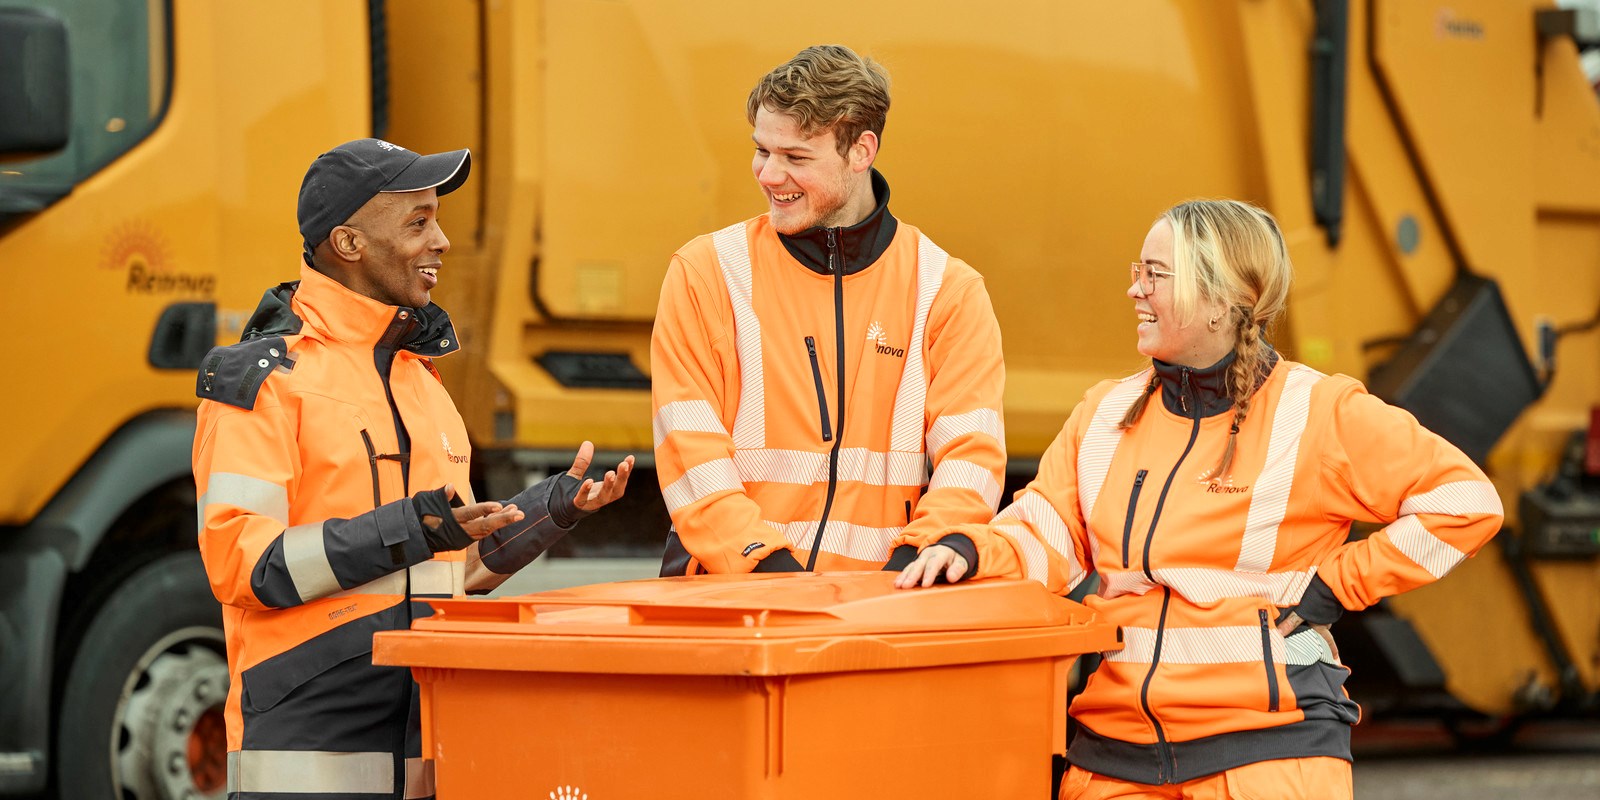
<point x="332" y="473"/>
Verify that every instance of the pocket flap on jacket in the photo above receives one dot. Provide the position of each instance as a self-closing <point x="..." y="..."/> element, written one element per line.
<point x="269" y="682"/>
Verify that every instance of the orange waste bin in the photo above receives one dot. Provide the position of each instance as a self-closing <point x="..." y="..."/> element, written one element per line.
<point x="810" y="685"/>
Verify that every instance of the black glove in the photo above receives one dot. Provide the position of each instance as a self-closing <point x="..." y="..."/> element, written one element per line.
<point x="779" y="561"/>
<point x="448" y="534"/>
<point x="901" y="557"/>
<point x="1317" y="606"/>
<point x="562" y="501"/>
<point x="966" y="548"/>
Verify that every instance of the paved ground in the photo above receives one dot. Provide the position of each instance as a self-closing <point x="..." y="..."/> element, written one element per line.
<point x="1551" y="761"/>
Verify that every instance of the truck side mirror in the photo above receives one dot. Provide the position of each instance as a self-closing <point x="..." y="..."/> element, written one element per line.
<point x="35" y="103"/>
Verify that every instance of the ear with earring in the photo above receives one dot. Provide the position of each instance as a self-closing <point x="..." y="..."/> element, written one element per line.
<point x="1214" y="323"/>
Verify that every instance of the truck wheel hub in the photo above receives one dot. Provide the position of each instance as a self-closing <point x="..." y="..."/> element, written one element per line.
<point x="170" y="738"/>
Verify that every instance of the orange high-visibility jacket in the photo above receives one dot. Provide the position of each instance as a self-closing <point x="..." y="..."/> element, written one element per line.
<point x="756" y="446"/>
<point x="1199" y="573"/>
<point x="307" y="445"/>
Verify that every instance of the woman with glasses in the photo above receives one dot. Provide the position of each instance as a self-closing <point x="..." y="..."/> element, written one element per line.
<point x="1213" y="492"/>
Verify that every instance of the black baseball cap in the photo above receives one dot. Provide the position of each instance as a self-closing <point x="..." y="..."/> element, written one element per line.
<point x="343" y="179"/>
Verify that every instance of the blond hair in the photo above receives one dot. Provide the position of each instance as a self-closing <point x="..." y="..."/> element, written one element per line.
<point x="826" y="87"/>
<point x="1232" y="252"/>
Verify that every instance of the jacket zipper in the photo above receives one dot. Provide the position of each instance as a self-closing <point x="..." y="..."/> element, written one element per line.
<point x="389" y="347"/>
<point x="1165" y="767"/>
<point x="1266" y="657"/>
<point x="372" y="461"/>
<point x="398" y="329"/>
<point x="822" y="398"/>
<point x="838" y="338"/>
<point x="1194" y="433"/>
<point x="1133" y="503"/>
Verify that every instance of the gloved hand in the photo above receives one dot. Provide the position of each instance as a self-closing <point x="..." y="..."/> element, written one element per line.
<point x="439" y="526"/>
<point x="952" y="559"/>
<point x="450" y="524"/>
<point x="900" y="558"/>
<point x="571" y="497"/>
<point x="554" y="505"/>
<point x="1318" y="609"/>
<point x="779" y="561"/>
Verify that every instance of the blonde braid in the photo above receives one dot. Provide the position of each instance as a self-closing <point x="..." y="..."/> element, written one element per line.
<point x="1138" y="405"/>
<point x="1244" y="373"/>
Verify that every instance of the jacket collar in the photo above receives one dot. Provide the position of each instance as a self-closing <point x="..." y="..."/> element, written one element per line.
<point x="860" y="245"/>
<point x="1201" y="393"/>
<point x="336" y="313"/>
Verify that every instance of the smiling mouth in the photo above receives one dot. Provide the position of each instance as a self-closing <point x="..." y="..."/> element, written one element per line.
<point x="787" y="198"/>
<point x="1143" y="317"/>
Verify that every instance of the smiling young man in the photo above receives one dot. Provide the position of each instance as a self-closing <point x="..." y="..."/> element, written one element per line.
<point x="809" y="364"/>
<point x="332" y="469"/>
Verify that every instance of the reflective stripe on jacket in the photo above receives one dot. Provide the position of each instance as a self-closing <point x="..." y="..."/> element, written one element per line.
<point x="1199" y="573"/>
<point x="745" y="389"/>
<point x="289" y="475"/>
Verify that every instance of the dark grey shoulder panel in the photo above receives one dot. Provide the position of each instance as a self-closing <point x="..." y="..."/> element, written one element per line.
<point x="234" y="374"/>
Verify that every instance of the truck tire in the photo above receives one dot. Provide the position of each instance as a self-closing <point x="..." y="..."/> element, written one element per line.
<point x="142" y="707"/>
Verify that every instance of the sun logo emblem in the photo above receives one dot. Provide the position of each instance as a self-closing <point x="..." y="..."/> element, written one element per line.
<point x="568" y="793"/>
<point x="138" y="246"/>
<point x="449" y="453"/>
<point x="876" y="334"/>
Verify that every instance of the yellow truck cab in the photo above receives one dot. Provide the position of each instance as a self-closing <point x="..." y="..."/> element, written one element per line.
<point x="1435" y="167"/>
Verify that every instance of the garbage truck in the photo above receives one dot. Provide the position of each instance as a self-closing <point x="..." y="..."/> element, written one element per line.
<point x="1435" y="167"/>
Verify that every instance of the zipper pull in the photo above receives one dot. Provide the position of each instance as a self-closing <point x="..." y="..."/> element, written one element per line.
<point x="1183" y="392"/>
<point x="833" y="245"/>
<point x="811" y="346"/>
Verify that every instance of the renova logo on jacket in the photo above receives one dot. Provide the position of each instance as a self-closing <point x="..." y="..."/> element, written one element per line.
<point x="880" y="338"/>
<point x="448" y="453"/>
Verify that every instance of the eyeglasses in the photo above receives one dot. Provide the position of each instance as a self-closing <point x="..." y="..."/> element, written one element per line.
<point x="1145" y="275"/>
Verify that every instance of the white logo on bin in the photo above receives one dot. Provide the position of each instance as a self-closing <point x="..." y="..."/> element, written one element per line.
<point x="568" y="793"/>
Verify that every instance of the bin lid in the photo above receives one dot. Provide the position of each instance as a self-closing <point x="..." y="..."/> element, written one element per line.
<point x="751" y="620"/>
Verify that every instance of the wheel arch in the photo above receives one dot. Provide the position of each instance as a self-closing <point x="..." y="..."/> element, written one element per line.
<point x="147" y="452"/>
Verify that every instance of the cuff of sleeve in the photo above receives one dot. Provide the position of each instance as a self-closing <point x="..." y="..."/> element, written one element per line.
<point x="962" y="544"/>
<point x="1318" y="605"/>
<point x="782" y="560"/>
<point x="552" y="497"/>
<point x="564" y="512"/>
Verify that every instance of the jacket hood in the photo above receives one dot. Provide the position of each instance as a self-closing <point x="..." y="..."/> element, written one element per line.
<point x="273" y="315"/>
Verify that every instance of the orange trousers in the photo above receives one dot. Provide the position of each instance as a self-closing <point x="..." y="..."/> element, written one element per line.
<point x="1320" y="778"/>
